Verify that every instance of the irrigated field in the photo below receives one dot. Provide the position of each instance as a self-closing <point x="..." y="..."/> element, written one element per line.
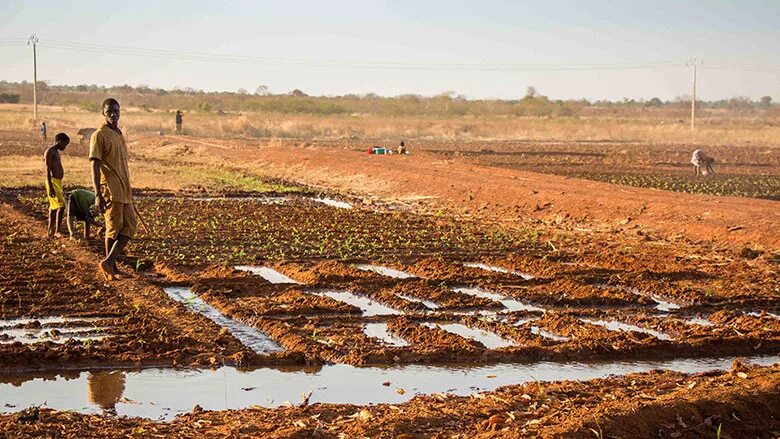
<point x="427" y="303"/>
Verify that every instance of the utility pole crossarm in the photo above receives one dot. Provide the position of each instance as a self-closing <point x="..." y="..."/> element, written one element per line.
<point x="34" y="41"/>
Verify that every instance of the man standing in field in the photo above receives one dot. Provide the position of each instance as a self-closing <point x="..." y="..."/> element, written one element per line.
<point x="111" y="179"/>
<point x="54" y="174"/>
<point x="178" y="121"/>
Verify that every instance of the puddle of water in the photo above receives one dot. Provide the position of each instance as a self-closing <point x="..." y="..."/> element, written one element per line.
<point x="57" y="335"/>
<point x="268" y="274"/>
<point x="333" y="203"/>
<point x="698" y="321"/>
<point x="661" y="303"/>
<point x="487" y="338"/>
<point x="535" y="330"/>
<point x="665" y="306"/>
<point x="758" y="314"/>
<point x="379" y="330"/>
<point x="366" y="305"/>
<point x="251" y="337"/>
<point x="620" y="326"/>
<point x="385" y="271"/>
<point x="428" y="303"/>
<point x="52" y="329"/>
<point x="509" y="304"/>
<point x="49" y="320"/>
<point x="525" y="276"/>
<point x="164" y="393"/>
<point x="523" y="321"/>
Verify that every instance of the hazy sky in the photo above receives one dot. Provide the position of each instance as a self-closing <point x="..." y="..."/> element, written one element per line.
<point x="485" y="48"/>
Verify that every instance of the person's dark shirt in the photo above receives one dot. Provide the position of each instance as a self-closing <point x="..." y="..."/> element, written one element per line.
<point x="178" y="118"/>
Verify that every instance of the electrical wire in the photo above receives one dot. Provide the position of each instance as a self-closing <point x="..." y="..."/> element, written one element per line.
<point x="240" y="59"/>
<point x="372" y="65"/>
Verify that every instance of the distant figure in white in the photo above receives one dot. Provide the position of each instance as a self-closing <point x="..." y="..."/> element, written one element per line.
<point x="699" y="160"/>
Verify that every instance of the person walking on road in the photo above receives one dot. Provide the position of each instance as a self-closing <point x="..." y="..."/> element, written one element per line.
<point x="113" y="193"/>
<point x="54" y="174"/>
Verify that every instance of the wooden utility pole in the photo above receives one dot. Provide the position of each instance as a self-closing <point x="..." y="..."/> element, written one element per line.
<point x="34" y="41"/>
<point x="693" y="62"/>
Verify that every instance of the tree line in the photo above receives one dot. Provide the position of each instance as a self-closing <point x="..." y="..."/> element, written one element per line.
<point x="447" y="104"/>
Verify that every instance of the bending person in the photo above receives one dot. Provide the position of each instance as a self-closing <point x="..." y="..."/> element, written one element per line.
<point x="79" y="207"/>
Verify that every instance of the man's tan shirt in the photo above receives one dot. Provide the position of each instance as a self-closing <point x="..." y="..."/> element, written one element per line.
<point x="108" y="146"/>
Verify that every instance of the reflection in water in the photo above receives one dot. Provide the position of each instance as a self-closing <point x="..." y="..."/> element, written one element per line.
<point x="164" y="393"/>
<point x="105" y="389"/>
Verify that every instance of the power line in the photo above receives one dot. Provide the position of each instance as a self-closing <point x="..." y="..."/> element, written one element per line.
<point x="240" y="59"/>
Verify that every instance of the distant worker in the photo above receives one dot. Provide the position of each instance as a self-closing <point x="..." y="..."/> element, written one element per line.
<point x="54" y="174"/>
<point x="43" y="131"/>
<point x="700" y="159"/>
<point x="111" y="180"/>
<point x="402" y="148"/>
<point x="178" y="121"/>
<point x="80" y="207"/>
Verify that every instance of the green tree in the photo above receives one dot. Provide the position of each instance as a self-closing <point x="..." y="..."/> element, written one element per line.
<point x="766" y="101"/>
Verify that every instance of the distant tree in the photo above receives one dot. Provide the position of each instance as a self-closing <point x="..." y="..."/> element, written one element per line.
<point x="531" y="92"/>
<point x="298" y="93"/>
<point x="654" y="102"/>
<point x="261" y="90"/>
<point x="766" y="101"/>
<point x="449" y="94"/>
<point x="242" y="91"/>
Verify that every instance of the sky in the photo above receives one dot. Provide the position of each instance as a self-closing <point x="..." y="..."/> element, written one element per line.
<point x="566" y="49"/>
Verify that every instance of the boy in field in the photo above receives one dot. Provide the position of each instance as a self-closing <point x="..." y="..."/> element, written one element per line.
<point x="79" y="207"/>
<point x="54" y="174"/>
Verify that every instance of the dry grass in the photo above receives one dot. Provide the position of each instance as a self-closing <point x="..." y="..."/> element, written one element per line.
<point x="715" y="129"/>
<point x="145" y="174"/>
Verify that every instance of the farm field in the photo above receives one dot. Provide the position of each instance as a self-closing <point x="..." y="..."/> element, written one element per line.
<point x="444" y="283"/>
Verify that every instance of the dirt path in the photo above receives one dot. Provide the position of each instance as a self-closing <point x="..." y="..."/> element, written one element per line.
<point x="498" y="193"/>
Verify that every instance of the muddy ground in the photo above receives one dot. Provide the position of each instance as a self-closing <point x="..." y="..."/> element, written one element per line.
<point x="549" y="285"/>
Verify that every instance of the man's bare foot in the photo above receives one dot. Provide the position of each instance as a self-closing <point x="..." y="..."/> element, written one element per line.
<point x="107" y="271"/>
<point x="117" y="271"/>
<point x="59" y="235"/>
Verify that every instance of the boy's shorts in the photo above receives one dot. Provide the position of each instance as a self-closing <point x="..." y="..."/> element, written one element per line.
<point x="58" y="200"/>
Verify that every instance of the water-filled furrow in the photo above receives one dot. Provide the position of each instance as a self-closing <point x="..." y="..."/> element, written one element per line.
<point x="367" y="306"/>
<point x="250" y="337"/>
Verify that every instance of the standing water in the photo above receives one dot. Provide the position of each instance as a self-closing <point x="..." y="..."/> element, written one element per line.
<point x="384" y="271"/>
<point x="487" y="338"/>
<point x="165" y="393"/>
<point x="509" y="304"/>
<point x="367" y="306"/>
<point x="251" y="337"/>
<point x="486" y="267"/>
<point x="268" y="274"/>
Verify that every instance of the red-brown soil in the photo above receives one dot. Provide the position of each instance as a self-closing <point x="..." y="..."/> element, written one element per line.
<point x="742" y="403"/>
<point x="474" y="189"/>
